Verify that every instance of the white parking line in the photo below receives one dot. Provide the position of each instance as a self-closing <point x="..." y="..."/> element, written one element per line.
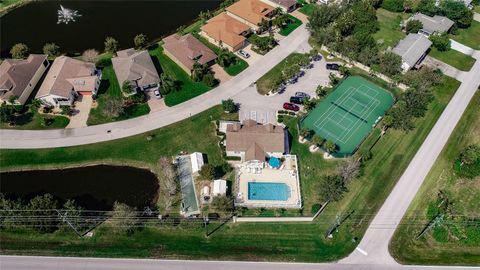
<point x="362" y="251"/>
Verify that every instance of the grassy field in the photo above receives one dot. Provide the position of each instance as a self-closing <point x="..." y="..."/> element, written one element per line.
<point x="389" y="33"/>
<point x="109" y="88"/>
<point x="454" y="58"/>
<point x="30" y="120"/>
<point x="470" y="36"/>
<point x="453" y="242"/>
<point x="188" y="88"/>
<point x="292" y="242"/>
<point x="266" y="82"/>
<point x="291" y="26"/>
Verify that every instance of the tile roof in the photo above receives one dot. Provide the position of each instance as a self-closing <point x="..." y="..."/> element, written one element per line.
<point x="226" y="29"/>
<point x="435" y="23"/>
<point x="187" y="50"/>
<point x="252" y="11"/>
<point x="412" y="48"/>
<point x="284" y="3"/>
<point x="67" y="74"/>
<point x="255" y="139"/>
<point x="15" y="75"/>
<point x="131" y="65"/>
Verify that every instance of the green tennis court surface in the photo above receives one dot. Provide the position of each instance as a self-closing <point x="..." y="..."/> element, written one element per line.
<point x="349" y="113"/>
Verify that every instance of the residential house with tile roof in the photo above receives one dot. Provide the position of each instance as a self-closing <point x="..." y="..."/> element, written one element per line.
<point x="251" y="12"/>
<point x="226" y="32"/>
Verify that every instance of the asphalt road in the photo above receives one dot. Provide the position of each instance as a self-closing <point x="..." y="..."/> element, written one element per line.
<point x="28" y="139"/>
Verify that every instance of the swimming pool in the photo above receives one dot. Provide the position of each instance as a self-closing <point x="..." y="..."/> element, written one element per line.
<point x="268" y="191"/>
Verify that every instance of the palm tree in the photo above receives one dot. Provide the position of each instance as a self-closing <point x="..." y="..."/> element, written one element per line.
<point x="166" y="84"/>
<point x="224" y="58"/>
<point x="317" y="140"/>
<point x="330" y="146"/>
<point x="198" y="71"/>
<point x="305" y="133"/>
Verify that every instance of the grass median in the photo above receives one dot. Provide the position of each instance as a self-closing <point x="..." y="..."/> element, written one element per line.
<point x="453" y="58"/>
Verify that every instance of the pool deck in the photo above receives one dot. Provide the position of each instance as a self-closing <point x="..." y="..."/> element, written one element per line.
<point x="287" y="174"/>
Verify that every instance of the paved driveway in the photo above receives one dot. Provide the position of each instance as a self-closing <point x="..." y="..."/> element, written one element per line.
<point x="220" y="73"/>
<point x="461" y="48"/>
<point x="154" y="103"/>
<point x="445" y="68"/>
<point x="81" y="112"/>
<point x="263" y="108"/>
<point x="254" y="57"/>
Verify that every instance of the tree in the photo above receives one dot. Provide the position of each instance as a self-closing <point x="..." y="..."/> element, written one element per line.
<point x="43" y="209"/>
<point x="209" y="79"/>
<point x="180" y="30"/>
<point x="229" y="106"/>
<point x="321" y="91"/>
<point x="387" y="122"/>
<point x="198" y="71"/>
<point x="263" y="25"/>
<point x="365" y="154"/>
<point x="111" y="45"/>
<point x="344" y="71"/>
<point x="124" y="218"/>
<point x="51" y="49"/>
<point x="470" y="155"/>
<point x="169" y="177"/>
<point x="225" y="58"/>
<point x="390" y="63"/>
<point x="317" y="140"/>
<point x="281" y="20"/>
<point x="427" y="7"/>
<point x="222" y="204"/>
<point x="113" y="107"/>
<point x="166" y="84"/>
<point x="309" y="104"/>
<point x="330" y="146"/>
<point x="140" y="41"/>
<point x="127" y="87"/>
<point x="205" y="15"/>
<point x="413" y="26"/>
<point x="402" y="119"/>
<point x="457" y="11"/>
<point x="19" y="51"/>
<point x="393" y="5"/>
<point x="440" y="41"/>
<point x="207" y="172"/>
<point x="332" y="188"/>
<point x="349" y="169"/>
<point x="305" y="133"/>
<point x="72" y="214"/>
<point x="90" y="55"/>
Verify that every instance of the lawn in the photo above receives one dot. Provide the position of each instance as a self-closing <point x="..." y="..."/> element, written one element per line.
<point x="292" y="25"/>
<point x="454" y="58"/>
<point x="268" y="81"/>
<point x="469" y="36"/>
<point x="389" y="33"/>
<point x="307" y="9"/>
<point x="454" y="242"/>
<point x="272" y="241"/>
<point x="109" y="88"/>
<point x="188" y="88"/>
<point x="29" y="120"/>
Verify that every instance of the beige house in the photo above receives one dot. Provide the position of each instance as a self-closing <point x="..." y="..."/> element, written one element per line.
<point x="18" y="78"/>
<point x="186" y="50"/>
<point x="285" y="5"/>
<point x="254" y="142"/>
<point x="66" y="79"/>
<point x="137" y="68"/>
<point x="251" y="12"/>
<point x="226" y="32"/>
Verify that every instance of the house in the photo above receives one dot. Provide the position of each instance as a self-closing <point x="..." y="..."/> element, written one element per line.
<point x="251" y="12"/>
<point x="285" y="5"/>
<point x="219" y="187"/>
<point x="226" y="32"/>
<point x="137" y="68"/>
<point x="254" y="142"/>
<point x="19" y="77"/>
<point x="435" y="24"/>
<point x="186" y="50"/>
<point x="413" y="50"/>
<point x="66" y="79"/>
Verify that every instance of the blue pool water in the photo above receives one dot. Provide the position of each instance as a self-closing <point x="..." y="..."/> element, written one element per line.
<point x="267" y="191"/>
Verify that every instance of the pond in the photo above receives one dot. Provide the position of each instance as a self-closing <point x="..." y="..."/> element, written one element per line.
<point x="36" y="23"/>
<point x="92" y="187"/>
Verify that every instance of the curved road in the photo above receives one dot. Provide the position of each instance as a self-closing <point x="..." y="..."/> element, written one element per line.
<point x="28" y="139"/>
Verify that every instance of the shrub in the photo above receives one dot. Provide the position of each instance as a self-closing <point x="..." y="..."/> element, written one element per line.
<point x="413" y="26"/>
<point x="468" y="162"/>
<point x="111" y="45"/>
<point x="393" y="5"/>
<point x="315" y="208"/>
<point x="229" y="106"/>
<point x="207" y="172"/>
<point x="441" y="41"/>
<point x="51" y="49"/>
<point x="19" y="51"/>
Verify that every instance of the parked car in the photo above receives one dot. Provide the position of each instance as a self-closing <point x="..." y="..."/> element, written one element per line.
<point x="291" y="107"/>
<point x="296" y="100"/>
<point x="243" y="54"/>
<point x="333" y="66"/>
<point x="157" y="94"/>
<point x="317" y="57"/>
<point x="302" y="95"/>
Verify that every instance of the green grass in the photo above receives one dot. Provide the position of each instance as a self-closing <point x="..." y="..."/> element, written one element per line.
<point x="109" y="88"/>
<point x="477" y="8"/>
<point x="438" y="246"/>
<point x="292" y="25"/>
<point x="271" y="241"/>
<point x="30" y="120"/>
<point x="307" y="9"/>
<point x="266" y="82"/>
<point x="188" y="88"/>
<point x="389" y="33"/>
<point x="469" y="36"/>
<point x="453" y="58"/>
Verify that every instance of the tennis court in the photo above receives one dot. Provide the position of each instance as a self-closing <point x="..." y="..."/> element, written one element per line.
<point x="348" y="114"/>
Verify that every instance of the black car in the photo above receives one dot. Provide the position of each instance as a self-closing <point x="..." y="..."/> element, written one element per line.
<point x="333" y="66"/>
<point x="296" y="100"/>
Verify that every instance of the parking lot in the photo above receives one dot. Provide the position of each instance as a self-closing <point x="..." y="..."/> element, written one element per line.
<point x="263" y="108"/>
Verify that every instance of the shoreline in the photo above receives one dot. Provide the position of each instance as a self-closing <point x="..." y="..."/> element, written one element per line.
<point x="20" y="3"/>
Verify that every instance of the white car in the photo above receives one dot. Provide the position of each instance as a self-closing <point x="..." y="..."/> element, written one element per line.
<point x="157" y="94"/>
<point x="243" y="54"/>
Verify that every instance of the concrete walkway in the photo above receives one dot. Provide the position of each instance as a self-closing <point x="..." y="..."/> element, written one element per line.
<point x="22" y="139"/>
<point x="461" y="48"/>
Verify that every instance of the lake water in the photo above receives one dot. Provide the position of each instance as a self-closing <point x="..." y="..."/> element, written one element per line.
<point x="36" y="23"/>
<point x="93" y="187"/>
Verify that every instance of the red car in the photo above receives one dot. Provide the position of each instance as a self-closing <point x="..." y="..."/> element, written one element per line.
<point x="291" y="107"/>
